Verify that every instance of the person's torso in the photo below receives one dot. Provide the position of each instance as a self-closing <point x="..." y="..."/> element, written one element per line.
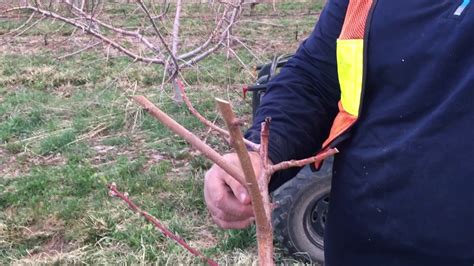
<point x="404" y="182"/>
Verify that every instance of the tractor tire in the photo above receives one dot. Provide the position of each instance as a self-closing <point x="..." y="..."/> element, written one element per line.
<point x="299" y="217"/>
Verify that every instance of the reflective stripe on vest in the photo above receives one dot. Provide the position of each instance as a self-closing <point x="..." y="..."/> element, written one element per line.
<point x="351" y="57"/>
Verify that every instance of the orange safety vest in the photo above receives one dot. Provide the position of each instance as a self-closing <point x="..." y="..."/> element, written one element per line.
<point x="351" y="50"/>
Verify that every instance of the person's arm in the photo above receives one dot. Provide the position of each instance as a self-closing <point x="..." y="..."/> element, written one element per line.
<point x="302" y="99"/>
<point x="302" y="102"/>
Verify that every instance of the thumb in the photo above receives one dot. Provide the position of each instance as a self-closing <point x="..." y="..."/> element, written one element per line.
<point x="239" y="191"/>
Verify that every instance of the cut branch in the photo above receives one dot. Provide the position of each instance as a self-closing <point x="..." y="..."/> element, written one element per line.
<point x="198" y="144"/>
<point x="224" y="133"/>
<point x="262" y="217"/>
<point x="258" y="188"/>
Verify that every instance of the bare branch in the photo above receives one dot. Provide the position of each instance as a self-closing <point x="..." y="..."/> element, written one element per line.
<point x="22" y="32"/>
<point x="22" y="25"/>
<point x="218" y="45"/>
<point x="174" y="47"/>
<point x="90" y="31"/>
<point x="174" y="73"/>
<point x="224" y="133"/>
<point x="79" y="51"/>
<point x="208" y="41"/>
<point x="300" y="163"/>
<point x="135" y="34"/>
<point x="113" y="191"/>
<point x="262" y="216"/>
<point x="198" y="144"/>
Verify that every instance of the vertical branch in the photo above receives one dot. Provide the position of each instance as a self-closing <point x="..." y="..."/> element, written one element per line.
<point x="175" y="42"/>
<point x="174" y="49"/>
<point x="265" y="174"/>
<point x="264" y="137"/>
<point x="175" y="70"/>
<point x="264" y="227"/>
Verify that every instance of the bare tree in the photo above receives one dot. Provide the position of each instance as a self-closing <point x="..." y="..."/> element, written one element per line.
<point x="149" y="42"/>
<point x="152" y="42"/>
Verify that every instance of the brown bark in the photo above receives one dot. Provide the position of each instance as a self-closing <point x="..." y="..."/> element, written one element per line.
<point x="322" y="155"/>
<point x="189" y="137"/>
<point x="262" y="216"/>
<point x="224" y="133"/>
<point x="258" y="188"/>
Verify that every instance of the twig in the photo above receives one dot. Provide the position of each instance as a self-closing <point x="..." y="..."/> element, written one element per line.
<point x="160" y="36"/>
<point x="90" y="31"/>
<point x="322" y="155"/>
<point x="222" y="37"/>
<point x="262" y="217"/>
<point x="135" y="34"/>
<point x="224" y="133"/>
<point x="114" y="192"/>
<point x="22" y="25"/>
<point x="245" y="66"/>
<point x="206" y="150"/>
<point x="79" y="51"/>
<point x="208" y="41"/>
<point x="247" y="48"/>
<point x="21" y="32"/>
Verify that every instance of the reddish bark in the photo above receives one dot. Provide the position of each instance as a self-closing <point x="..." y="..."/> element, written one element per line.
<point x="258" y="188"/>
<point x="113" y="191"/>
<point x="259" y="198"/>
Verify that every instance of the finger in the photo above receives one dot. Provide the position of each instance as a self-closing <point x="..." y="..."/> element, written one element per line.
<point x="231" y="205"/>
<point x="223" y="204"/>
<point x="231" y="209"/>
<point x="238" y="187"/>
<point x="239" y="191"/>
<point x="233" y="224"/>
<point x="219" y="214"/>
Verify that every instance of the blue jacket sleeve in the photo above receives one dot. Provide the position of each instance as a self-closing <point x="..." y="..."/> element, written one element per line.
<point x="302" y="99"/>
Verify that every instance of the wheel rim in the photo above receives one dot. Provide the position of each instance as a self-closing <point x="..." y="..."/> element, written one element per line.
<point x="315" y="219"/>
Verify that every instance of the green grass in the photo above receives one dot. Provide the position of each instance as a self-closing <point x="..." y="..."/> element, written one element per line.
<point x="67" y="129"/>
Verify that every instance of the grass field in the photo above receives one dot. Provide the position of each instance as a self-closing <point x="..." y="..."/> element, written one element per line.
<point x="67" y="129"/>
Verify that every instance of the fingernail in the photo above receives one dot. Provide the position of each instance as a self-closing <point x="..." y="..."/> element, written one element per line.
<point x="243" y="196"/>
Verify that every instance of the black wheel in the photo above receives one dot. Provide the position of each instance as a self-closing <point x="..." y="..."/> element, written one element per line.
<point x="299" y="218"/>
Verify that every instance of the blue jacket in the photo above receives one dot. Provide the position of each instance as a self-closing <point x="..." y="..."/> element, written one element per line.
<point x="403" y="183"/>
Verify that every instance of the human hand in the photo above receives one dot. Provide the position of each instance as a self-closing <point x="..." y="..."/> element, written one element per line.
<point x="227" y="200"/>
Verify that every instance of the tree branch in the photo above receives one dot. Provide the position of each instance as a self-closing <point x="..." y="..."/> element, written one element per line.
<point x="175" y="71"/>
<point x="224" y="133"/>
<point x="262" y="217"/>
<point x="114" y="192"/>
<point x="189" y="137"/>
<point x="90" y="31"/>
<point x="322" y="155"/>
<point x="175" y="42"/>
